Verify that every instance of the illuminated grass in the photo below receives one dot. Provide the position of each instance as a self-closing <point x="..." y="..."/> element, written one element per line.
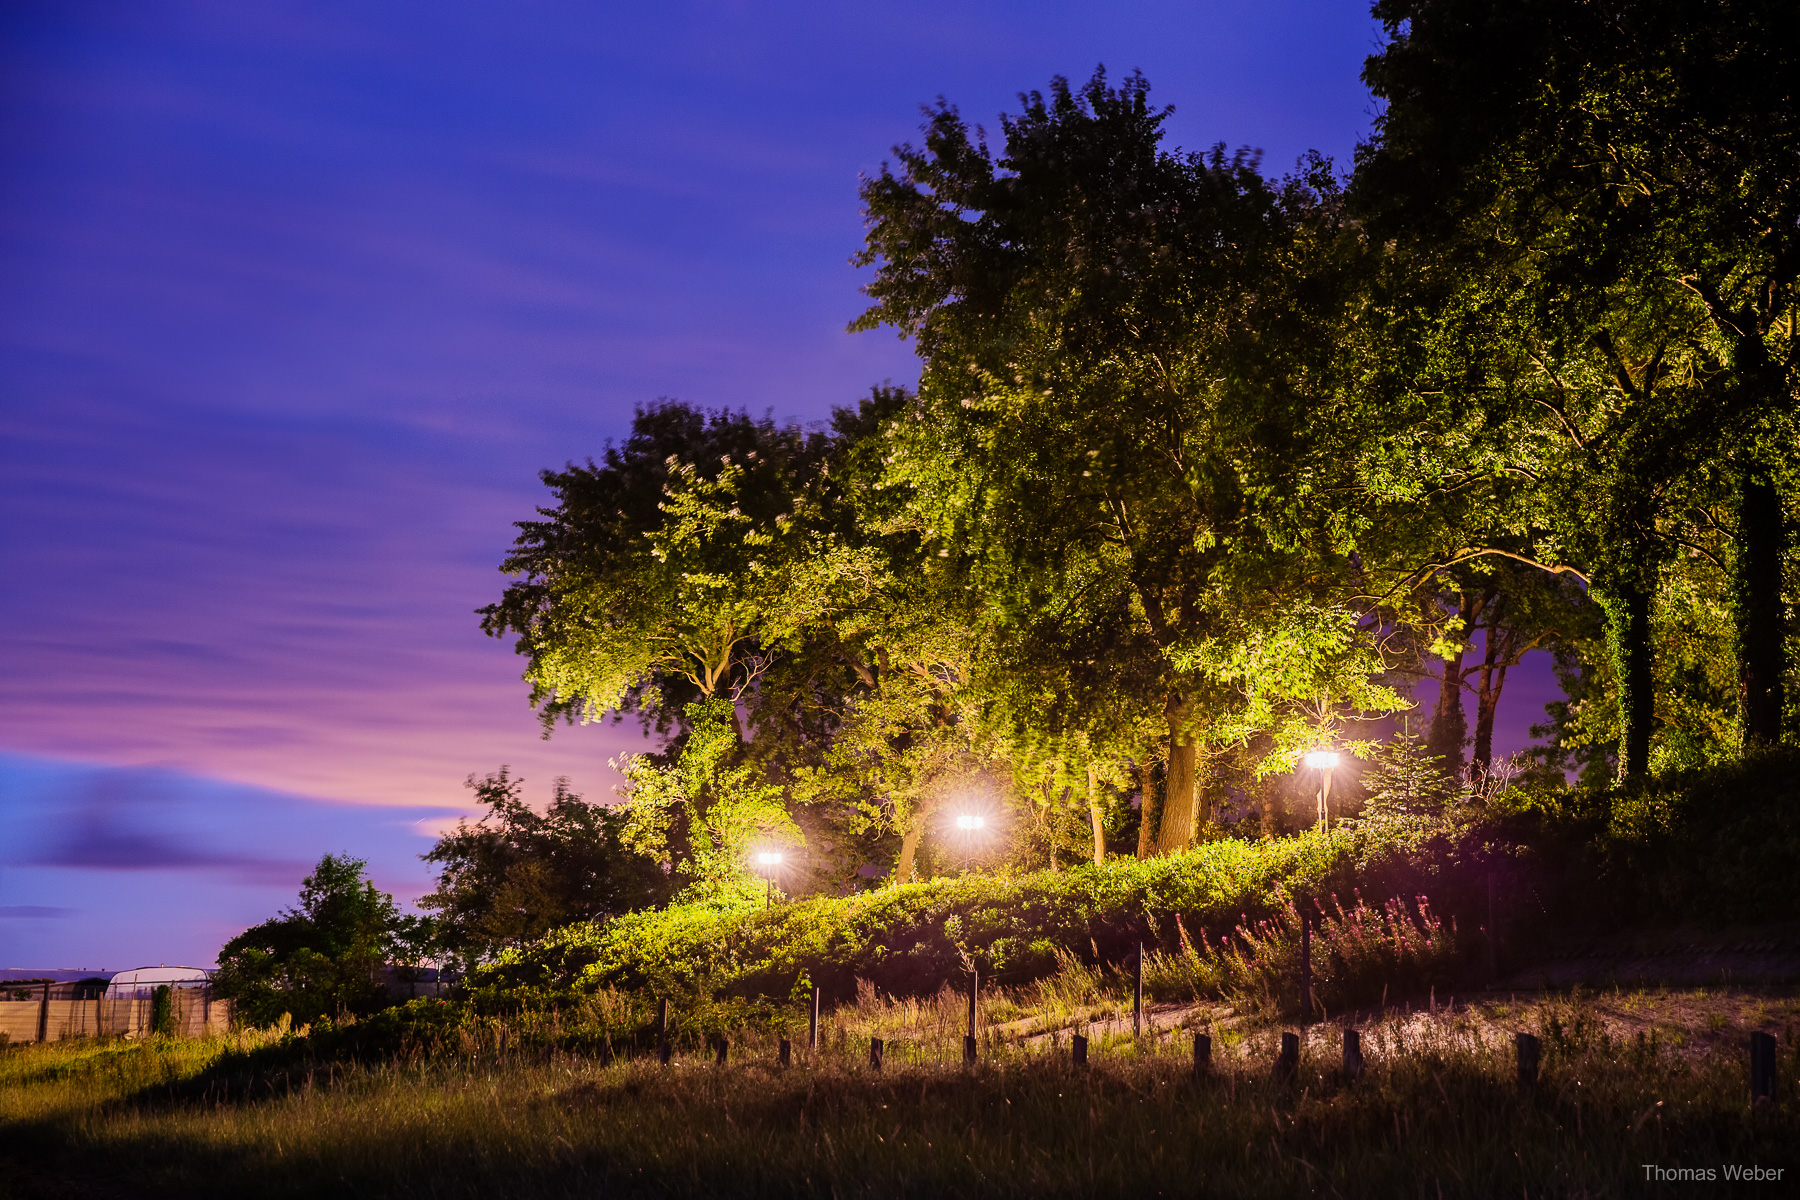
<point x="1437" y="1112"/>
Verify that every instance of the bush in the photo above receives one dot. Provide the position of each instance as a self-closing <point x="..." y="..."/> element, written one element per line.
<point x="915" y="938"/>
<point x="1709" y="845"/>
<point x="1219" y="919"/>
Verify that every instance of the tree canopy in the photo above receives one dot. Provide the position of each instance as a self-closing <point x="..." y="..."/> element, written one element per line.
<point x="1208" y="466"/>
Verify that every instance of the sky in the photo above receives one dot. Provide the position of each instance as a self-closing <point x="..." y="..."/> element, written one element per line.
<point x="296" y="300"/>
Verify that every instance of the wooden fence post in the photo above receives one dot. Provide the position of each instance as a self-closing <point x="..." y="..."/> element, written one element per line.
<point x="44" y="1015"/>
<point x="1287" y="1063"/>
<point x="1202" y="1053"/>
<point x="812" y="1024"/>
<point x="721" y="1049"/>
<point x="1137" y="993"/>
<point x="875" y="1048"/>
<point x="1305" y="965"/>
<point x="1762" y="1067"/>
<point x="1353" y="1059"/>
<point x="784" y="1051"/>
<point x="969" y="1043"/>
<point x="1528" y="1059"/>
<point x="1078" y="1050"/>
<point x="662" y="1030"/>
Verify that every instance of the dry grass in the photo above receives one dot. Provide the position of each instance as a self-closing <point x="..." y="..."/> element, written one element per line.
<point x="1437" y="1113"/>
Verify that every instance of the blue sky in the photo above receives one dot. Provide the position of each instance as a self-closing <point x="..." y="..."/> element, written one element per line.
<point x="295" y="301"/>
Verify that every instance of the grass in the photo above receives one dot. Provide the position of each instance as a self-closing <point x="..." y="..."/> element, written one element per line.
<point x="1437" y="1112"/>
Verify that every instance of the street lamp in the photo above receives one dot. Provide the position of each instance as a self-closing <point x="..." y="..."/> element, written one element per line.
<point x="1324" y="761"/>
<point x="770" y="862"/>
<point x="971" y="825"/>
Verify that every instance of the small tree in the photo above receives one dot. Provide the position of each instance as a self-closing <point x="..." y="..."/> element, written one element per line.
<point x="699" y="817"/>
<point x="322" y="959"/>
<point x="515" y="874"/>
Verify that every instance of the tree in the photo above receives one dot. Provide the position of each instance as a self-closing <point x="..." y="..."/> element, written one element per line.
<point x="669" y="573"/>
<point x="718" y="572"/>
<point x="1517" y="609"/>
<point x="701" y="817"/>
<point x="514" y="874"/>
<point x="1125" y="354"/>
<point x="323" y="959"/>
<point x="1619" y="183"/>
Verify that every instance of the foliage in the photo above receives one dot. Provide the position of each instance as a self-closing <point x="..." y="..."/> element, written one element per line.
<point x="1411" y="800"/>
<point x="912" y="939"/>
<point x="1206" y="466"/>
<point x="1711" y="844"/>
<point x="1596" y="206"/>
<point x="1123" y="427"/>
<point x="324" y="958"/>
<point x="514" y="874"/>
<point x="668" y="571"/>
<point x="1360" y="956"/>
<point x="699" y="819"/>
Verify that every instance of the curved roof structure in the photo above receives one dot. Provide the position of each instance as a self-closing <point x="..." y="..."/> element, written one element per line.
<point x="145" y="979"/>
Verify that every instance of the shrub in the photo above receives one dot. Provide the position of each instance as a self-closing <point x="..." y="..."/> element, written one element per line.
<point x="1709" y="844"/>
<point x="915" y="938"/>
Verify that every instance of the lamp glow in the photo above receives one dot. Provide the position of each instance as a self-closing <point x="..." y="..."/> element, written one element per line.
<point x="1324" y="760"/>
<point x="768" y="859"/>
<point x="968" y="821"/>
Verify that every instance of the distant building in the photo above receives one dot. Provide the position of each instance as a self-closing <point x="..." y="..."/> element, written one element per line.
<point x="141" y="984"/>
<point x="54" y="975"/>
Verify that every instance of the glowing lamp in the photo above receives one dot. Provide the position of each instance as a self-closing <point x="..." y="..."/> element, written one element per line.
<point x="768" y="859"/>
<point x="1322" y="759"/>
<point x="968" y="821"/>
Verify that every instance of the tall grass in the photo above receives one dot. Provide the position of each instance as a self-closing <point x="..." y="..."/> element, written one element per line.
<point x="1437" y="1113"/>
<point x="1359" y="955"/>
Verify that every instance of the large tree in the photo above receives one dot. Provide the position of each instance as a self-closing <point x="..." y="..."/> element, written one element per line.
<point x="1611" y="190"/>
<point x="1123" y="403"/>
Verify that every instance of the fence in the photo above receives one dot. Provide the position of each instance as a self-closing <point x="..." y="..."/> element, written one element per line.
<point x="70" y="1010"/>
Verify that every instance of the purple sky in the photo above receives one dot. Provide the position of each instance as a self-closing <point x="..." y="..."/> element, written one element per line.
<point x="295" y="300"/>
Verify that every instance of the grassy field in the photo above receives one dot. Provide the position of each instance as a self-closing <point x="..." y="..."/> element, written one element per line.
<point x="1629" y="1078"/>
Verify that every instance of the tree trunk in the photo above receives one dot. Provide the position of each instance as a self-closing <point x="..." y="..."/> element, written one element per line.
<point x="1761" y="632"/>
<point x="1148" y="809"/>
<point x="909" y="843"/>
<point x="1628" y="635"/>
<point x="1180" y="795"/>
<point x="1496" y="657"/>
<point x="1094" y="812"/>
<point x="1449" y="731"/>
<point x="1488" y="704"/>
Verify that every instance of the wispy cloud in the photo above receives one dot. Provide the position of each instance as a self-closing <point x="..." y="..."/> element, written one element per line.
<point x="163" y="866"/>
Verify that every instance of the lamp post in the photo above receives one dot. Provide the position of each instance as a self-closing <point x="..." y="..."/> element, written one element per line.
<point x="971" y="825"/>
<point x="1324" y="760"/>
<point x="770" y="862"/>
